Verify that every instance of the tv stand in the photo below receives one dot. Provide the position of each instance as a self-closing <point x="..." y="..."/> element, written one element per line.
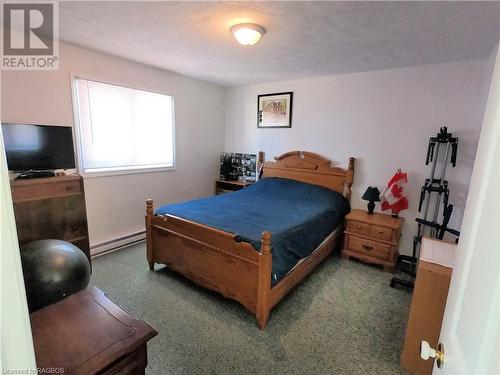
<point x="35" y="174"/>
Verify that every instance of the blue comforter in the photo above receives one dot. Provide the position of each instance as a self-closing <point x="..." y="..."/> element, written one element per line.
<point x="299" y="216"/>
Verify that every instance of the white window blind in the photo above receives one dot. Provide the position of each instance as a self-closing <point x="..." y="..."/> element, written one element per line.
<point x="123" y="129"/>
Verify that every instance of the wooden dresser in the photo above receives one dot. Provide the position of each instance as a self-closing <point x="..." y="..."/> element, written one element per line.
<point x="51" y="208"/>
<point x="372" y="238"/>
<point x="428" y="303"/>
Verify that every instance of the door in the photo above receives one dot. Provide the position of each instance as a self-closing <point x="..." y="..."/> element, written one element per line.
<point x="470" y="332"/>
<point x="16" y="347"/>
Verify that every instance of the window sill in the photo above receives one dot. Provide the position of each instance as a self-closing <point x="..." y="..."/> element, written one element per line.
<point x="120" y="172"/>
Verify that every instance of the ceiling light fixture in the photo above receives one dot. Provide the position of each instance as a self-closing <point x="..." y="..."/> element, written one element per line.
<point x="247" y="33"/>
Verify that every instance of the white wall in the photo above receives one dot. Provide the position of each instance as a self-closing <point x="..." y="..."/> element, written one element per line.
<point x="115" y="205"/>
<point x="384" y="119"/>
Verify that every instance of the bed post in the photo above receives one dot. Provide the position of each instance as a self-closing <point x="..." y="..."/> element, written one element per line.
<point x="264" y="282"/>
<point x="260" y="164"/>
<point x="149" y="238"/>
<point x="349" y="178"/>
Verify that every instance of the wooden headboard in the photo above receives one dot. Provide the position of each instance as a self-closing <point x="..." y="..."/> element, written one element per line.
<point x="309" y="167"/>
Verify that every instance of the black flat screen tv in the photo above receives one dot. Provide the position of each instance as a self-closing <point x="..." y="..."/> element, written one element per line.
<point x="38" y="147"/>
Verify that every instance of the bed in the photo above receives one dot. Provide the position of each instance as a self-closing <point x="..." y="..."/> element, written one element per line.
<point x="256" y="244"/>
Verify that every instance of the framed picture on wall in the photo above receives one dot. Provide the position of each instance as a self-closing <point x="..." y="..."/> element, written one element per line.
<point x="275" y="110"/>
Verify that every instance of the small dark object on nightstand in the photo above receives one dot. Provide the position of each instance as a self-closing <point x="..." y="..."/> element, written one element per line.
<point x="372" y="195"/>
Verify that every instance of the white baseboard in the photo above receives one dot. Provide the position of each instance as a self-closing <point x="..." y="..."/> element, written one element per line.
<point x="117" y="244"/>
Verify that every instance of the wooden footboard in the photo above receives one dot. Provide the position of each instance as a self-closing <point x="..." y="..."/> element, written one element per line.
<point x="213" y="259"/>
<point x="216" y="260"/>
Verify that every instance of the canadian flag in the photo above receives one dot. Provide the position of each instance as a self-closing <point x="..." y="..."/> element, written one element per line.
<point x="394" y="195"/>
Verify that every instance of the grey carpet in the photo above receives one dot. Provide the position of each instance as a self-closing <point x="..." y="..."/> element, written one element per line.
<point x="342" y="319"/>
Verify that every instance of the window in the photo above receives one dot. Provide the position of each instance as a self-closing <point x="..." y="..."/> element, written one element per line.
<point x="122" y="130"/>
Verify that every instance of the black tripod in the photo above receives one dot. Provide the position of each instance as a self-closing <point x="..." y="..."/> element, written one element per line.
<point x="439" y="188"/>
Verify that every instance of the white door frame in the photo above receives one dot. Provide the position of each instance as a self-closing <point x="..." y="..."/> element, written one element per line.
<point x="16" y="341"/>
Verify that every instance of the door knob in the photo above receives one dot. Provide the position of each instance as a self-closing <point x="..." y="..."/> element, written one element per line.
<point x="427" y="352"/>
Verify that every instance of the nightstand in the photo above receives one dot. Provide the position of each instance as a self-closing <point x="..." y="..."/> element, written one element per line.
<point x="372" y="238"/>
<point x="223" y="186"/>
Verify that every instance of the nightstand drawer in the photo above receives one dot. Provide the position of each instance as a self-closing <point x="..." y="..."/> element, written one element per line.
<point x="358" y="227"/>
<point x="381" y="233"/>
<point x="370" y="248"/>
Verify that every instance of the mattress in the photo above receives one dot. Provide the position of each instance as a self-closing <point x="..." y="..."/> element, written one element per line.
<point x="300" y="217"/>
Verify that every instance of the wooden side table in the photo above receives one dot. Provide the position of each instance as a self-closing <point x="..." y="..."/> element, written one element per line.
<point x="223" y="186"/>
<point x="86" y="334"/>
<point x="372" y="238"/>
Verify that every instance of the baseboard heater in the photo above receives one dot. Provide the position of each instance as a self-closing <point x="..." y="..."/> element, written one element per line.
<point x="117" y="243"/>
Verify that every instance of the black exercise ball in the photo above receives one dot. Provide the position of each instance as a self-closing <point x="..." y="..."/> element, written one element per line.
<point x="53" y="270"/>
